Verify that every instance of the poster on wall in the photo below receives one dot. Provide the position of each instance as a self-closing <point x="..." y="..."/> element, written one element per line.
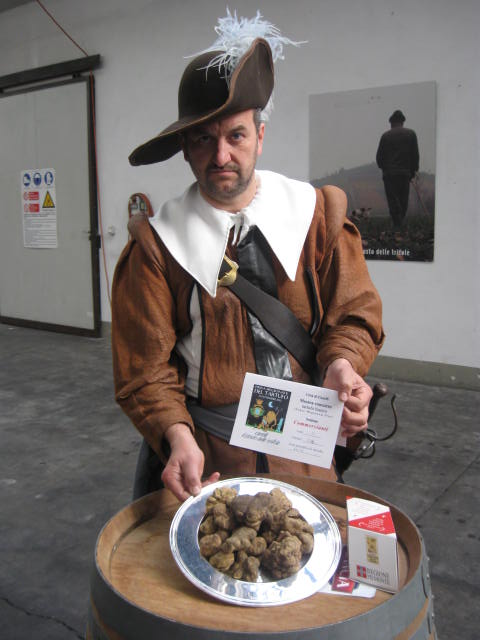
<point x="378" y="145"/>
<point x="39" y="209"/>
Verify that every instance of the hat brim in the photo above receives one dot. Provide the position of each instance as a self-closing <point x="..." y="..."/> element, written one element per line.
<point x="251" y="85"/>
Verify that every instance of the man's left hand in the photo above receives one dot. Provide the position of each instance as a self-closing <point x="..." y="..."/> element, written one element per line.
<point x="353" y="391"/>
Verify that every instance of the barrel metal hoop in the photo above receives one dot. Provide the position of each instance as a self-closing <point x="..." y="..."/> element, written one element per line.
<point x="427" y="587"/>
<point x="423" y="632"/>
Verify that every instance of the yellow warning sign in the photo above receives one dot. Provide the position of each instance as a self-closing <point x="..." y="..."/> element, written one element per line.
<point x="48" y="202"/>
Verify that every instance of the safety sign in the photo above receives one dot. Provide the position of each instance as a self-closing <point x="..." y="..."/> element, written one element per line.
<point x="48" y="202"/>
<point x="39" y="209"/>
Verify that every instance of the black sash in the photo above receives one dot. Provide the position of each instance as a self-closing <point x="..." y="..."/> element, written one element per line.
<point x="256" y="273"/>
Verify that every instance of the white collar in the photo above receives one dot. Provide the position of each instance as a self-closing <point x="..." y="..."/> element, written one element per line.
<point x="196" y="234"/>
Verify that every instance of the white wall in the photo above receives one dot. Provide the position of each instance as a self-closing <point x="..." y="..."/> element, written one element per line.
<point x="431" y="310"/>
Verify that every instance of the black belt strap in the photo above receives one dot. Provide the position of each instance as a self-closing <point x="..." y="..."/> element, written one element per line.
<point x="276" y="317"/>
<point x="255" y="264"/>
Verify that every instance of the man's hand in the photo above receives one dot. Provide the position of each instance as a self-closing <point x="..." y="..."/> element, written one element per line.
<point x="183" y="472"/>
<point x="353" y="391"/>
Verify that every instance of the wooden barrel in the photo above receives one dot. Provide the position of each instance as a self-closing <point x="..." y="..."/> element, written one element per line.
<point x="139" y="593"/>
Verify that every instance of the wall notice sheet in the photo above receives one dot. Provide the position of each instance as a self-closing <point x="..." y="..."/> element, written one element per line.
<point x="287" y="419"/>
<point x="39" y="209"/>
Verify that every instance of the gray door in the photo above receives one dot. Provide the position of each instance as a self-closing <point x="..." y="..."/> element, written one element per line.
<point x="53" y="281"/>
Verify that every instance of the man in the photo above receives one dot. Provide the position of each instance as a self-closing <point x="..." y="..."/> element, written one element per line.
<point x="398" y="158"/>
<point x="182" y="343"/>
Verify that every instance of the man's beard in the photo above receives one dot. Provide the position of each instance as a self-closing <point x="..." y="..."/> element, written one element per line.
<point x="225" y="192"/>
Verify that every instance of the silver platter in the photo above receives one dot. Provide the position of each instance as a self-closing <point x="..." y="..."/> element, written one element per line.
<point x="314" y="574"/>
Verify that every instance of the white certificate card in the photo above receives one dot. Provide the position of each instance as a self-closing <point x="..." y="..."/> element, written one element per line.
<point x="287" y="419"/>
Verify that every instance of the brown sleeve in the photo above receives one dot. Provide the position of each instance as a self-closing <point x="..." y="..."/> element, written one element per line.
<point x="148" y="385"/>
<point x="352" y="321"/>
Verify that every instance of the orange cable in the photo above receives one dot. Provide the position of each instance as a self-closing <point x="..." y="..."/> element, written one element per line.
<point x="60" y="27"/>
<point x="94" y="145"/>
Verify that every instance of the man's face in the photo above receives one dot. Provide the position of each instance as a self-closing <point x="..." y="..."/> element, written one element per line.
<point x="222" y="155"/>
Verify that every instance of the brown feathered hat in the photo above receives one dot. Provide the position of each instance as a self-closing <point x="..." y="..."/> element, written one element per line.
<point x="221" y="81"/>
<point x="205" y="94"/>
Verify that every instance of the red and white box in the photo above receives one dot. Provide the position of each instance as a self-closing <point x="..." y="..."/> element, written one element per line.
<point x="372" y="544"/>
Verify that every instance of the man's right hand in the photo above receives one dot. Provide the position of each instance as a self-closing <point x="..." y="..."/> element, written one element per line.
<point x="183" y="472"/>
<point x="353" y="391"/>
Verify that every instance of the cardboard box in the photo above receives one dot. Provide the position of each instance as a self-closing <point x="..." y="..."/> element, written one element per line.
<point x="372" y="544"/>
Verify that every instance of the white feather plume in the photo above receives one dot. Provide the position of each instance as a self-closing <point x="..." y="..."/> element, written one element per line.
<point x="235" y="36"/>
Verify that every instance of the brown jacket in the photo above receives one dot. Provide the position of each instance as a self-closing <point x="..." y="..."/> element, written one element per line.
<point x="332" y="296"/>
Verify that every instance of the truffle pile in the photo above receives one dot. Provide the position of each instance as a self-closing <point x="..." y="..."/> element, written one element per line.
<point x="241" y="533"/>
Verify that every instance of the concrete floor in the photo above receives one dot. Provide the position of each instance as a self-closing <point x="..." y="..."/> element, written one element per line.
<point x="67" y="457"/>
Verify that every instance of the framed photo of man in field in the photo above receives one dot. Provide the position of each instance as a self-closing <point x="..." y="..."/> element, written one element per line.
<point x="379" y="147"/>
